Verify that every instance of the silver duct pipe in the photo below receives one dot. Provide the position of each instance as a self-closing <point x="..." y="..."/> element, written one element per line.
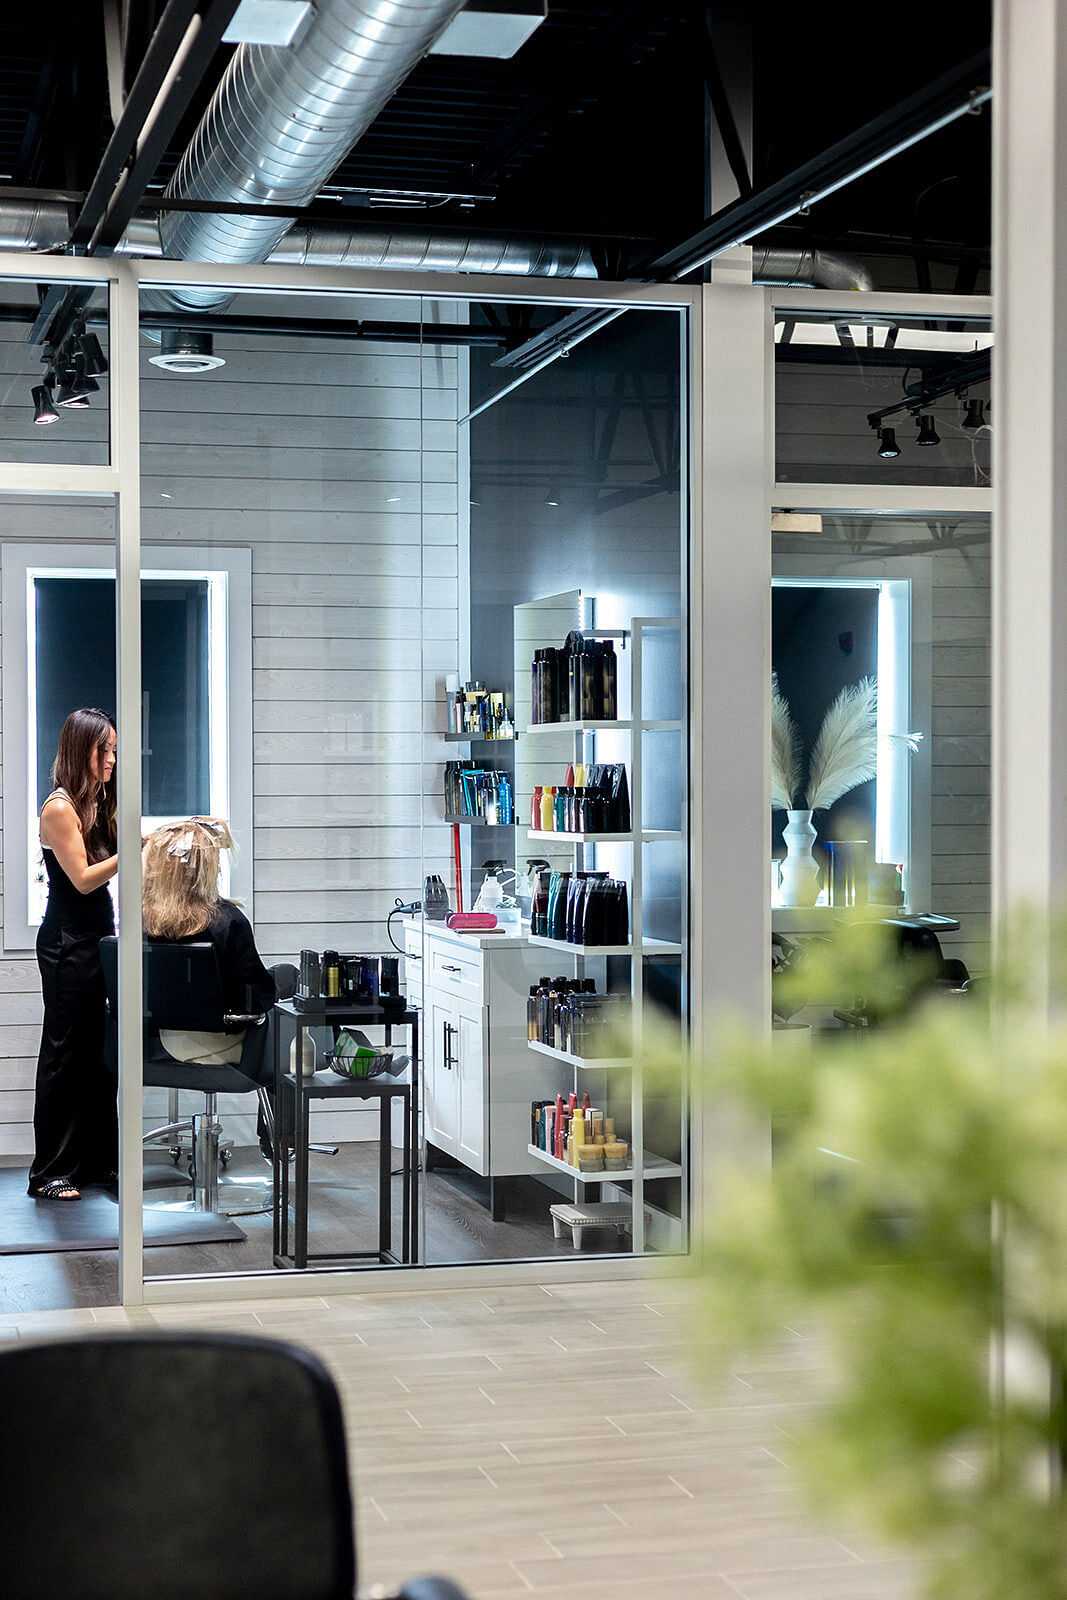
<point x="808" y="269"/>
<point x="46" y="226"/>
<point x="281" y="121"/>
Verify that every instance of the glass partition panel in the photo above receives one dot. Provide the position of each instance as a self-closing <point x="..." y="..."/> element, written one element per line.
<point x="54" y="398"/>
<point x="566" y="731"/>
<point x="880" y="399"/>
<point x="284" y="490"/>
<point x="57" y="1058"/>
<point x="893" y="613"/>
<point x="341" y="573"/>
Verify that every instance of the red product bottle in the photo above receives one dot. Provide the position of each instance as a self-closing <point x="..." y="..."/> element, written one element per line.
<point x="557" y="1129"/>
<point x="535" y="809"/>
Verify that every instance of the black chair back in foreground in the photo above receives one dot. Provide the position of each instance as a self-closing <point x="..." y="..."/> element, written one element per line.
<point x="172" y="1465"/>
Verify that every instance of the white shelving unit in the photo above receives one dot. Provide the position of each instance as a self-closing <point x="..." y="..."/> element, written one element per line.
<point x="644" y="1165"/>
<point x="582" y="1063"/>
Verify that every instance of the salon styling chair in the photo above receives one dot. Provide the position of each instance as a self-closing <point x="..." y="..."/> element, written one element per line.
<point x="257" y="1503"/>
<point x="182" y="990"/>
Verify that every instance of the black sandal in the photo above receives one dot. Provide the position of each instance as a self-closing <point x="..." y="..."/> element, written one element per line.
<point x="57" y="1189"/>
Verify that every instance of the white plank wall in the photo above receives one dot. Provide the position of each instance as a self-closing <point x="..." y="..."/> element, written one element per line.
<point x="338" y="465"/>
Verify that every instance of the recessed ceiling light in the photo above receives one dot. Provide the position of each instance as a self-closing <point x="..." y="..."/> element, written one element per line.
<point x="165" y="496"/>
<point x="392" y="499"/>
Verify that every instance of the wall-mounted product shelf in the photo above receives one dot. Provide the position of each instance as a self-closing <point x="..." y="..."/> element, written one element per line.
<point x="583" y="1063"/>
<point x="475" y="822"/>
<point x="580" y="838"/>
<point x="649" y="947"/>
<point x="477" y="738"/>
<point x="579" y="727"/>
<point x="652" y="1167"/>
<point x="648" y="836"/>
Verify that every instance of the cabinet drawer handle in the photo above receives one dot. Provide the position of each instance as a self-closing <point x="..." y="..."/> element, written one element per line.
<point x="414" y="958"/>
<point x="446" y="968"/>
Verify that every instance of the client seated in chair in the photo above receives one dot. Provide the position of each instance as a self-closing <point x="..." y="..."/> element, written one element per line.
<point x="181" y="863"/>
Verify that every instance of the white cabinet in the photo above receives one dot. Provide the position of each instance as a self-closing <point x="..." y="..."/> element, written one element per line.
<point x="476" y="1066"/>
<point x="457" y="1107"/>
<point x="441" y="1089"/>
<point x="470" y="1052"/>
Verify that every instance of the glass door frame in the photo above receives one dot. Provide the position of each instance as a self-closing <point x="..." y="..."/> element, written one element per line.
<point x="730" y="448"/>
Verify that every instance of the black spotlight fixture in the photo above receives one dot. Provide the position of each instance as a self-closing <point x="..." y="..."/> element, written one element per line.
<point x="89" y="345"/>
<point x="44" y="412"/>
<point x="75" y="384"/>
<point x="975" y="415"/>
<point x="888" y="448"/>
<point x="927" y="434"/>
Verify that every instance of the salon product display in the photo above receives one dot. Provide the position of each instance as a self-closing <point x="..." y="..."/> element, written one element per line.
<point x="479" y="713"/>
<point x="478" y="793"/>
<point x="592" y="798"/>
<point x="578" y="683"/>
<point x="580" y="908"/>
<point x="348" y="982"/>
<point x="580" y="1135"/>
<point x="568" y="1014"/>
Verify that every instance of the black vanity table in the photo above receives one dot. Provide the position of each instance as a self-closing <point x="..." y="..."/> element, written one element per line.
<point x="294" y="1095"/>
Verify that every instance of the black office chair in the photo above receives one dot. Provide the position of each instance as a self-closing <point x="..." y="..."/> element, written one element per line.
<point x="182" y="989"/>
<point x="172" y="1465"/>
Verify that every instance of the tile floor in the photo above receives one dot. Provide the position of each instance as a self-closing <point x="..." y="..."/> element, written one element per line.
<point x="543" y="1440"/>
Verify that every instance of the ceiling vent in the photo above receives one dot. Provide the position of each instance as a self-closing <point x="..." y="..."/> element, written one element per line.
<point x="183" y="351"/>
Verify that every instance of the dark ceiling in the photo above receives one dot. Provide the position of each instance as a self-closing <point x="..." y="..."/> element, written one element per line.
<point x="596" y="127"/>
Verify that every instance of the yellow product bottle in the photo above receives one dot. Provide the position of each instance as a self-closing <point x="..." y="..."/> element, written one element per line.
<point x="548" y="810"/>
<point x="579" y="775"/>
<point x="578" y="1136"/>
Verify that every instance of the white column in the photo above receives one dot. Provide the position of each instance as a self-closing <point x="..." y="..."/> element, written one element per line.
<point x="126" y="456"/>
<point x="1029" y="843"/>
<point x="730" y="692"/>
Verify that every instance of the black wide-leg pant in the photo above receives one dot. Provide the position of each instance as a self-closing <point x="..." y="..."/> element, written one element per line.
<point x="75" y="1120"/>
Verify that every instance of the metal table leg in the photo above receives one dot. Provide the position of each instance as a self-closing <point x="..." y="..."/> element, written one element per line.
<point x="405" y="1224"/>
<point x="416" y="1146"/>
<point x="302" y="1134"/>
<point x="385" y="1182"/>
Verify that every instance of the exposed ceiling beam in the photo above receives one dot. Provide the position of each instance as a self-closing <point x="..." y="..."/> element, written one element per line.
<point x="179" y="53"/>
<point x="955" y="94"/>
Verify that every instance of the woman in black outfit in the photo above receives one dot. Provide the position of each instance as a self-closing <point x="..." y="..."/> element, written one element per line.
<point x="75" y="1123"/>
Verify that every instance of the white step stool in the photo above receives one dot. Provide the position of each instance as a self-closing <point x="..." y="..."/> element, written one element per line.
<point x="591" y="1215"/>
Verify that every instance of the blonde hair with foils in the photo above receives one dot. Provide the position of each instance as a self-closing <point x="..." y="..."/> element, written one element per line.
<point x="181" y="862"/>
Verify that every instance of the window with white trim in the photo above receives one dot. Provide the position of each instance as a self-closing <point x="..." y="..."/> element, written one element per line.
<point x="60" y="652"/>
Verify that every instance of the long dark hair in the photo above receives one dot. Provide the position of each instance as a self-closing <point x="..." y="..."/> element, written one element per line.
<point x="83" y="732"/>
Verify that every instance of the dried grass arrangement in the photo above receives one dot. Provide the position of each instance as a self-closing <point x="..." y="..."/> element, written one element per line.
<point x="844" y="755"/>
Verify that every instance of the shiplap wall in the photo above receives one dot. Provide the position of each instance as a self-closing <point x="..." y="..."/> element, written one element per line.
<point x="338" y="464"/>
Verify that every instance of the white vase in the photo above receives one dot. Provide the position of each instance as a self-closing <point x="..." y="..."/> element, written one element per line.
<point x="800" y="870"/>
<point x="309" y="1056"/>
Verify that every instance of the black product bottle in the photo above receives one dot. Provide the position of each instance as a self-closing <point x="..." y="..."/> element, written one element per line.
<point x="558" y="909"/>
<point x="620" y="799"/>
<point x="591" y="930"/>
<point x="589" y="671"/>
<point x="539" y="905"/>
<point x="620" y="915"/>
<point x="609" y="682"/>
<point x="574" y="648"/>
<point x="575" y="904"/>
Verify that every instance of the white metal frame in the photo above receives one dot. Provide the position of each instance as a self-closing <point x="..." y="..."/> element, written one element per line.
<point x="229" y="575"/>
<point x="730" y="438"/>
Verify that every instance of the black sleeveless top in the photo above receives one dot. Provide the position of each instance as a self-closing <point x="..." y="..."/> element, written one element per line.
<point x="68" y="911"/>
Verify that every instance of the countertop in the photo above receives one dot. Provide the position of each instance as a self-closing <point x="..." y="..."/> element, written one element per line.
<point x="481" y="941"/>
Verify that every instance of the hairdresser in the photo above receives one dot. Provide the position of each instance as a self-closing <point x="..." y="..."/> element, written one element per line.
<point x="75" y="1123"/>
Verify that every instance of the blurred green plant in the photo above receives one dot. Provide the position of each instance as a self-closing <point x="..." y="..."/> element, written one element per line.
<point x="906" y="1154"/>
